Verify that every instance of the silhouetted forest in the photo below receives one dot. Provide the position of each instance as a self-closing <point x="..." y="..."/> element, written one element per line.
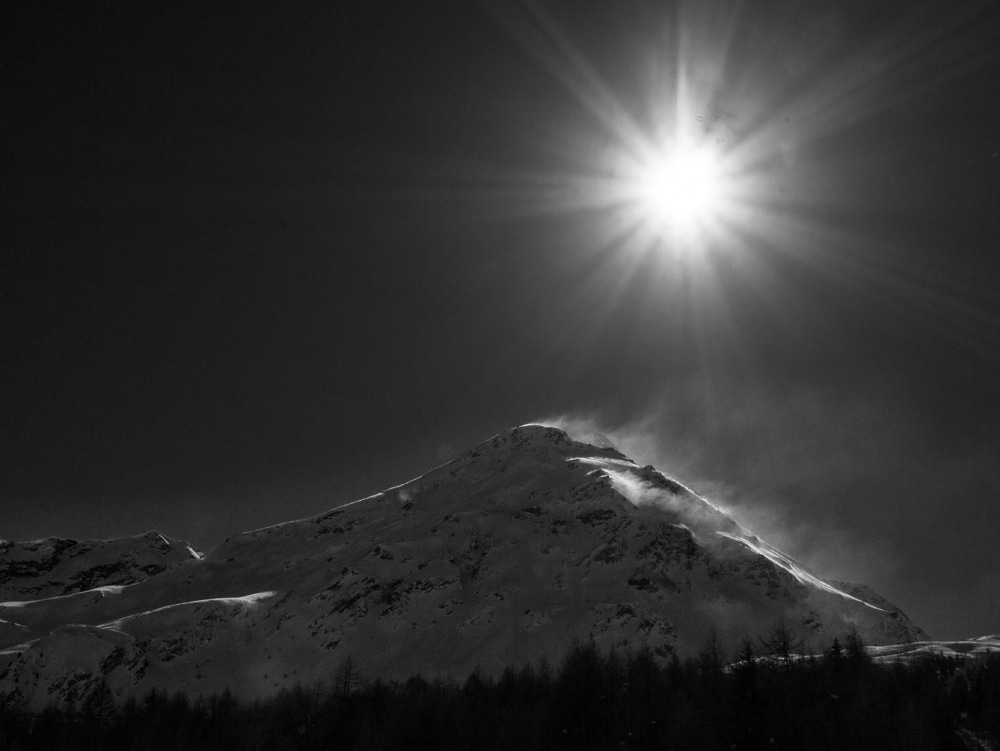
<point x="769" y="698"/>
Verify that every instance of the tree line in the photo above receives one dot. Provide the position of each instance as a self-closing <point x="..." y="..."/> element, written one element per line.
<point x="765" y="695"/>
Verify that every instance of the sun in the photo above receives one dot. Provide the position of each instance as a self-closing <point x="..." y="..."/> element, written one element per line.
<point x="680" y="189"/>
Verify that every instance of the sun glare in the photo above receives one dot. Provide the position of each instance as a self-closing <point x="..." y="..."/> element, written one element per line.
<point x="680" y="189"/>
<point x="692" y="165"/>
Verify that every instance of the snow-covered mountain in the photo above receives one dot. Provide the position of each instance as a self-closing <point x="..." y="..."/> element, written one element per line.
<point x="980" y="646"/>
<point x="56" y="566"/>
<point x="501" y="556"/>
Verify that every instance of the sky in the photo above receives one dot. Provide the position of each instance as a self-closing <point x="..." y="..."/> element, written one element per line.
<point x="259" y="264"/>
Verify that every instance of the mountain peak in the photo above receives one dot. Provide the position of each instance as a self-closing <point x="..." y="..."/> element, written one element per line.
<point x="542" y="441"/>
<point x="529" y="434"/>
<point x="544" y="431"/>
<point x="499" y="557"/>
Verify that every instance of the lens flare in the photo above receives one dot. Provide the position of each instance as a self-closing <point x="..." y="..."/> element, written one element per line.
<point x="700" y="171"/>
<point x="680" y="189"/>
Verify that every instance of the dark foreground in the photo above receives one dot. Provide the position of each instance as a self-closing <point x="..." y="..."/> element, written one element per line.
<point x="840" y="700"/>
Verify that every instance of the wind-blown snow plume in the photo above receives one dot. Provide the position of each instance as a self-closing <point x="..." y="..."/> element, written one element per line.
<point x="713" y="470"/>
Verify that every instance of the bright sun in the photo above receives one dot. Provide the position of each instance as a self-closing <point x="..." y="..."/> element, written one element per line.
<point x="680" y="189"/>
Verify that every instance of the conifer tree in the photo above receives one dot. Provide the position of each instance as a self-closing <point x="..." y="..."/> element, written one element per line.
<point x="348" y="677"/>
<point x="712" y="656"/>
<point x="855" y="646"/>
<point x="781" y="642"/>
<point x="835" y="654"/>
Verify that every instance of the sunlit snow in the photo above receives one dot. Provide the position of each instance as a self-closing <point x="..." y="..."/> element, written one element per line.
<point x="795" y="569"/>
<point x="705" y="519"/>
<point x="108" y="589"/>
<point x="251" y="600"/>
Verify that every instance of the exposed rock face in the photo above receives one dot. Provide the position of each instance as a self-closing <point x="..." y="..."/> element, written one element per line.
<point x="56" y="566"/>
<point x="502" y="556"/>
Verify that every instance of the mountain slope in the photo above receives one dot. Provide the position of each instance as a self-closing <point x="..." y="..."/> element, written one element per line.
<point x="977" y="648"/>
<point x="57" y="566"/>
<point x="501" y="556"/>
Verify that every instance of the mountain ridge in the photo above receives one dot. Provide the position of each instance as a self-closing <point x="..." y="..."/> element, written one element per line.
<point x="54" y="566"/>
<point x="497" y="557"/>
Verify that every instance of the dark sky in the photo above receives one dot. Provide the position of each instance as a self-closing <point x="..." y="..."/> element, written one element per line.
<point x="260" y="264"/>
